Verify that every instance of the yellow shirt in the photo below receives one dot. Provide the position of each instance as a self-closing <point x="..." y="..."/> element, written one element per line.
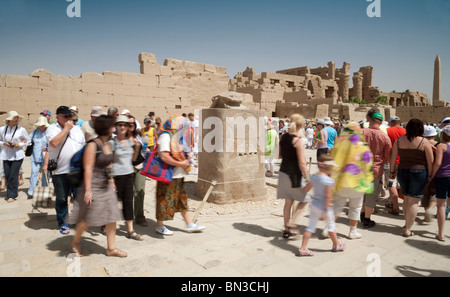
<point x="151" y="136"/>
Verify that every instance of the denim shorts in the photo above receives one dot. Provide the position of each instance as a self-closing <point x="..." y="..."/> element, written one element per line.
<point x="412" y="182"/>
<point x="442" y="187"/>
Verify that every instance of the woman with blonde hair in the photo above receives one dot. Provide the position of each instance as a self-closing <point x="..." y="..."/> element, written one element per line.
<point x="293" y="176"/>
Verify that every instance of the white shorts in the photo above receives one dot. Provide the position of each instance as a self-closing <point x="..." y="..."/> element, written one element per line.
<point x="316" y="214"/>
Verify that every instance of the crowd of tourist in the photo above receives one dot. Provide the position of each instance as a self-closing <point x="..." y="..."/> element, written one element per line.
<point x="357" y="163"/>
<point x="114" y="148"/>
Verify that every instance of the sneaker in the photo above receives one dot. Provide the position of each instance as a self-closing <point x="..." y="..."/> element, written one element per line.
<point x="194" y="228"/>
<point x="163" y="231"/>
<point x="368" y="223"/>
<point x="354" y="235"/>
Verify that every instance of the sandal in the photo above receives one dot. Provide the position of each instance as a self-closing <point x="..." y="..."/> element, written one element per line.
<point x="64" y="230"/>
<point x="116" y="253"/>
<point x="288" y="233"/>
<point x="134" y="235"/>
<point x="339" y="248"/>
<point x="410" y="234"/>
<point x="440" y="238"/>
<point x="306" y="252"/>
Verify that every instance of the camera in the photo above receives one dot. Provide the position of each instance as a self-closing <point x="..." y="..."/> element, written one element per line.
<point x="52" y="165"/>
<point x="10" y="144"/>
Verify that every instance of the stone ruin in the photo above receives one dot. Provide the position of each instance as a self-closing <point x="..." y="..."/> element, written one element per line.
<point x="230" y="152"/>
<point x="178" y="86"/>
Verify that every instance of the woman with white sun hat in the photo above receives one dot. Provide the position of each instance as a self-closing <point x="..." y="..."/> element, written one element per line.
<point x="12" y="139"/>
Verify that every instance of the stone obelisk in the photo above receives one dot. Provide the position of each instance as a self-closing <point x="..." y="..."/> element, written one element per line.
<point x="437" y="80"/>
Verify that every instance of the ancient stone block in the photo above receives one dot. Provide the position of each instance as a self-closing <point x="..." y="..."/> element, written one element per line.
<point x="151" y="69"/>
<point x="20" y="81"/>
<point x="112" y="77"/>
<point x="148" y="58"/>
<point x="165" y="70"/>
<point x="41" y="73"/>
<point x="130" y="78"/>
<point x="91" y="77"/>
<point x="321" y="111"/>
<point x="166" y="82"/>
<point x="146" y="80"/>
<point x="209" y="68"/>
<point x="239" y="173"/>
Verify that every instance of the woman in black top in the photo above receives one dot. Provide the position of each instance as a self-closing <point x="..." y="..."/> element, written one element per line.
<point x="293" y="180"/>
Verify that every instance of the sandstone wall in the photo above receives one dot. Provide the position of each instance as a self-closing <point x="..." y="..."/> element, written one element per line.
<point x="430" y="114"/>
<point x="177" y="86"/>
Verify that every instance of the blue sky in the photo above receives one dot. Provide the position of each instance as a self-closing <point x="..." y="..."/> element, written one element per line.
<point x="267" y="35"/>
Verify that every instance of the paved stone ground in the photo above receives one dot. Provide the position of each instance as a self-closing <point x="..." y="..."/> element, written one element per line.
<point x="246" y="243"/>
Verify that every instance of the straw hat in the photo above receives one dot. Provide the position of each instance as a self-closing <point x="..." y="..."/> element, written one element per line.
<point x="12" y="114"/>
<point x="42" y="121"/>
<point x="123" y="119"/>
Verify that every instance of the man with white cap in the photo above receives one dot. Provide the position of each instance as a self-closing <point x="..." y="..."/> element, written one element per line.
<point x="75" y="110"/>
<point x="332" y="133"/>
<point x="394" y="131"/>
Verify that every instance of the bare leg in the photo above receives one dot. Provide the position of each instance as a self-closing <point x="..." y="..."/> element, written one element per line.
<point x="411" y="213"/>
<point x="186" y="217"/>
<point x="441" y="206"/>
<point x="306" y="236"/>
<point x="80" y="228"/>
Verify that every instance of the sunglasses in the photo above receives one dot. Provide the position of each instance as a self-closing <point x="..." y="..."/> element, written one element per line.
<point x="123" y="125"/>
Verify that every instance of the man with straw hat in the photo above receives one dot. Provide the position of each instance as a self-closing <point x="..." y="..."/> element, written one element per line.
<point x="12" y="138"/>
<point x="39" y="141"/>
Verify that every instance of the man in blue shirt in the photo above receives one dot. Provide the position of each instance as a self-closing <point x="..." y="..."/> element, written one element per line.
<point x="332" y="133"/>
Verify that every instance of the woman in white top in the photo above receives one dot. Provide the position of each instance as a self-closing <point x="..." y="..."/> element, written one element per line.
<point x="12" y="138"/>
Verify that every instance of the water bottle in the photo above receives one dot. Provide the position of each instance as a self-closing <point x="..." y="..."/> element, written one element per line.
<point x="146" y="140"/>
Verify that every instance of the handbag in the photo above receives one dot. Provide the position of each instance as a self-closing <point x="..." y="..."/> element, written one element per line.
<point x="156" y="169"/>
<point x="42" y="196"/>
<point x="29" y="150"/>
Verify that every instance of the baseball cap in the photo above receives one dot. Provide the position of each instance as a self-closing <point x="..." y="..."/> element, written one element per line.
<point x="125" y="111"/>
<point x="446" y="120"/>
<point x="147" y="119"/>
<point x="394" y="118"/>
<point x="46" y="112"/>
<point x="63" y="110"/>
<point x="377" y="116"/>
<point x="74" y="108"/>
